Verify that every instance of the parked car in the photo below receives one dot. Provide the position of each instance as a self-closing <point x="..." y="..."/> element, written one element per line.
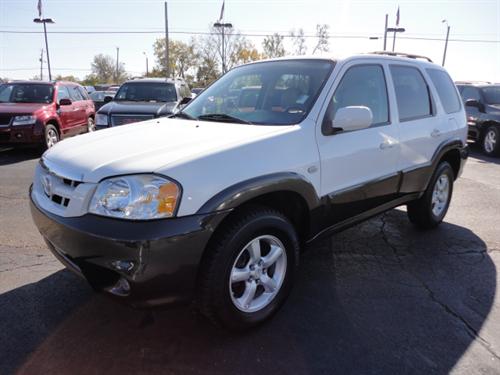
<point x="113" y="88"/>
<point x="90" y="89"/>
<point x="482" y="104"/>
<point x="216" y="203"/>
<point x="143" y="99"/>
<point x="101" y="97"/>
<point x="42" y="113"/>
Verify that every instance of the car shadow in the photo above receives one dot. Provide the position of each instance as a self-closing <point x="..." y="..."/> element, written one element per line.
<point x="477" y="153"/>
<point x="15" y="155"/>
<point x="380" y="297"/>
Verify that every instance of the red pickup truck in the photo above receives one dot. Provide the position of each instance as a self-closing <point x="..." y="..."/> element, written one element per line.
<point x="42" y="113"/>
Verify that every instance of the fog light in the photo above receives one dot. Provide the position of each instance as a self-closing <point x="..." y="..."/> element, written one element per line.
<point x="19" y="135"/>
<point x="123" y="265"/>
<point x="121" y="288"/>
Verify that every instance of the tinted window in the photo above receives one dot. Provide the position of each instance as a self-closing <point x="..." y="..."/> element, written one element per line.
<point x="470" y="92"/>
<point x="446" y="90"/>
<point x="363" y="85"/>
<point x="26" y="93"/>
<point x="83" y="93"/>
<point x="492" y="94"/>
<point x="62" y="93"/>
<point x="147" y="92"/>
<point x="75" y="94"/>
<point x="265" y="93"/>
<point x="412" y="93"/>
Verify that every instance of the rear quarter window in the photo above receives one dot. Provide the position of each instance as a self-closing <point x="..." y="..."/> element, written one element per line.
<point x="445" y="89"/>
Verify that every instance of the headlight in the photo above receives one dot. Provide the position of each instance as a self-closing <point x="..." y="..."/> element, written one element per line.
<point x="24" y="120"/>
<point x="136" y="197"/>
<point x="101" y="120"/>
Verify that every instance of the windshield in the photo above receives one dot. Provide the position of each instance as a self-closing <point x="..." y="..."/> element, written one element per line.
<point x="147" y="92"/>
<point x="26" y="93"/>
<point x="492" y="94"/>
<point x="268" y="93"/>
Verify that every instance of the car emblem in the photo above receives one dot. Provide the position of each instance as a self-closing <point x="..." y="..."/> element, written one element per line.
<point x="47" y="185"/>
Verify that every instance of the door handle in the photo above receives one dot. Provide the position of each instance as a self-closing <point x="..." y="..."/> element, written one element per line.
<point x="387" y="144"/>
<point x="435" y="133"/>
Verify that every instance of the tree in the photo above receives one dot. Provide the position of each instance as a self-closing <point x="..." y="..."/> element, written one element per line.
<point x="104" y="69"/>
<point x="182" y="58"/>
<point x="323" y="44"/>
<point x="299" y="41"/>
<point x="273" y="46"/>
<point x="69" y="78"/>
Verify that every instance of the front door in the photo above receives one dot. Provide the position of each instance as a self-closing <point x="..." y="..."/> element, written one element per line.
<point x="359" y="168"/>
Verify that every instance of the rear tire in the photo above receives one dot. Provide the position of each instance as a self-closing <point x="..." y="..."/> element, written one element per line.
<point x="491" y="141"/>
<point x="429" y="211"/>
<point x="51" y="136"/>
<point x="249" y="269"/>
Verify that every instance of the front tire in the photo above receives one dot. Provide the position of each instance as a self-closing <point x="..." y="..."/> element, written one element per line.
<point x="51" y="136"/>
<point x="249" y="269"/>
<point x="429" y="211"/>
<point x="90" y="125"/>
<point x="491" y="141"/>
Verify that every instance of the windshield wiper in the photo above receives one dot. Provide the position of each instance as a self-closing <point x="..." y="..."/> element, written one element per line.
<point x="222" y="117"/>
<point x="182" y="115"/>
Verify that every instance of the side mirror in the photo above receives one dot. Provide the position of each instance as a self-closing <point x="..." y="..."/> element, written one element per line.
<point x="65" y="101"/>
<point x="474" y="103"/>
<point x="185" y="100"/>
<point x="107" y="99"/>
<point x="352" y="118"/>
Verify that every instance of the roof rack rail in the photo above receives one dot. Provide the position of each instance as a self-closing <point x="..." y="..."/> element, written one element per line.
<point x="473" y="83"/>
<point x="401" y="54"/>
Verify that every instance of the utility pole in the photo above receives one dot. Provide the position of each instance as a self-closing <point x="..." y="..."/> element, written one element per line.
<point x="167" y="57"/>
<point x="222" y="26"/>
<point x="385" y="31"/>
<point x="117" y="63"/>
<point x="147" y="64"/>
<point x="446" y="43"/>
<point x="41" y="64"/>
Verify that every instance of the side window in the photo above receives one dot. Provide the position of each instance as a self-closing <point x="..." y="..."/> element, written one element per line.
<point x="362" y="85"/>
<point x="74" y="93"/>
<point x="445" y="89"/>
<point x="412" y="93"/>
<point x="471" y="93"/>
<point x="83" y="93"/>
<point x="62" y="93"/>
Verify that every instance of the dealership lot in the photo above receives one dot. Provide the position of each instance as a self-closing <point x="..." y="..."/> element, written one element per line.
<point x="378" y="298"/>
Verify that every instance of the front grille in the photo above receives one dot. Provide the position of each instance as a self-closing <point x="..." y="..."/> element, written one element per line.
<point x="117" y="120"/>
<point x="5" y="120"/>
<point x="55" y="188"/>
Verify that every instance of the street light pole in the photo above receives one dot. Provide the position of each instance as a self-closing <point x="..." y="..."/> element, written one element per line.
<point x="395" y="30"/>
<point x="45" y="21"/>
<point x="223" y="26"/>
<point x="117" y="63"/>
<point x="385" y="31"/>
<point x="446" y="43"/>
<point x="147" y="68"/>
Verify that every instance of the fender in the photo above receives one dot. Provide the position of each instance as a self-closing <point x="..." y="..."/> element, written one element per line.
<point x="417" y="179"/>
<point x="244" y="191"/>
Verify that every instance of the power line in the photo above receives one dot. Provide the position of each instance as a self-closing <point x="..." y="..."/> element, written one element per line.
<point x="461" y="40"/>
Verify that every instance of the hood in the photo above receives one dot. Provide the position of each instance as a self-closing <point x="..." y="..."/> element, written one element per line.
<point x="137" y="108"/>
<point x="22" y="108"/>
<point x="156" y="144"/>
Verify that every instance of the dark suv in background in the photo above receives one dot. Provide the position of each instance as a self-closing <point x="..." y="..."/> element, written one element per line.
<point x="42" y="113"/>
<point x="143" y="99"/>
<point x="482" y="104"/>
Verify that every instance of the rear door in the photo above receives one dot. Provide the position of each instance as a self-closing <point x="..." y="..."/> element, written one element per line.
<point x="420" y="130"/>
<point x="359" y="168"/>
<point x="79" y="108"/>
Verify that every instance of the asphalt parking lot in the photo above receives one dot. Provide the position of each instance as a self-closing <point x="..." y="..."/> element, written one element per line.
<point x="379" y="298"/>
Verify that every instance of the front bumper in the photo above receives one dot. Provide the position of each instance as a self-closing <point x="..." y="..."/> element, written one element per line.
<point x="20" y="135"/>
<point x="164" y="254"/>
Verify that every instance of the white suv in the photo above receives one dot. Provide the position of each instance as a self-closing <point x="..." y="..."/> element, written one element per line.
<point x="215" y="204"/>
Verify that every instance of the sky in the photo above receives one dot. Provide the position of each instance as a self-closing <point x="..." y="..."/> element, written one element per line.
<point x="473" y="50"/>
